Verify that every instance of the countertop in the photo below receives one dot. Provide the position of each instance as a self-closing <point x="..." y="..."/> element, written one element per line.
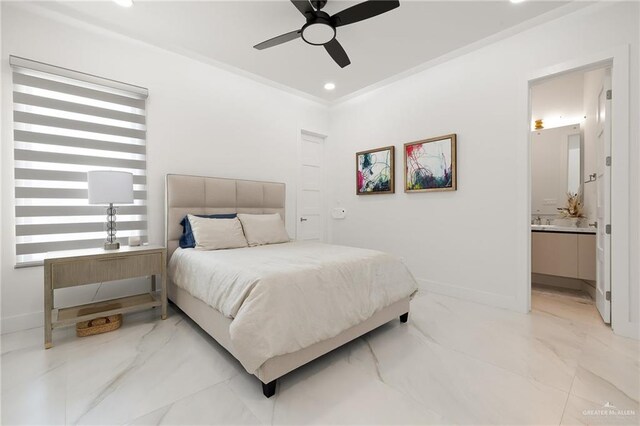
<point x="563" y="229"/>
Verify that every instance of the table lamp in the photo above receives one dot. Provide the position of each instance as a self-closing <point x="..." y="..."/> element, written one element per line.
<point x="110" y="187"/>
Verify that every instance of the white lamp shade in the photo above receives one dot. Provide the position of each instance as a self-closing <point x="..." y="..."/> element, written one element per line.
<point x="107" y="186"/>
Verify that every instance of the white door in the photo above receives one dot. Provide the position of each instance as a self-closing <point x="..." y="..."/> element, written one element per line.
<point x="603" y="210"/>
<point x="310" y="209"/>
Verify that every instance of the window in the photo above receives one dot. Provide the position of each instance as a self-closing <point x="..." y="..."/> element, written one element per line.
<point x="65" y="124"/>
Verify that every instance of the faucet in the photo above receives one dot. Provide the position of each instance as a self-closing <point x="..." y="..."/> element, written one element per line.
<point x="537" y="220"/>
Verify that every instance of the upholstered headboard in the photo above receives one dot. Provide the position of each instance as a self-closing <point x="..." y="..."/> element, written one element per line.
<point x="210" y="195"/>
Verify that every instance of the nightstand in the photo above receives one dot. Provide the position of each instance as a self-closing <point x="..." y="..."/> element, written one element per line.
<point x="81" y="267"/>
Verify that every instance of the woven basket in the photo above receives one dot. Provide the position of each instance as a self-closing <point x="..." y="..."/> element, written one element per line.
<point x="98" y="325"/>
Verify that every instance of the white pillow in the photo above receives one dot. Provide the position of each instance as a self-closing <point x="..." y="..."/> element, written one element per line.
<point x="263" y="229"/>
<point x="215" y="234"/>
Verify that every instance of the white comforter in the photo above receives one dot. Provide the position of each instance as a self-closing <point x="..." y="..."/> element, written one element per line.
<point x="285" y="297"/>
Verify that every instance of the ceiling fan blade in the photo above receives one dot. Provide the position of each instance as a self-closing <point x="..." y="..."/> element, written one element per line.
<point x="278" y="40"/>
<point x="362" y="11"/>
<point x="303" y="6"/>
<point x="334" y="48"/>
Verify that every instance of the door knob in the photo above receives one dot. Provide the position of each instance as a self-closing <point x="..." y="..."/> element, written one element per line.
<point x="302" y="219"/>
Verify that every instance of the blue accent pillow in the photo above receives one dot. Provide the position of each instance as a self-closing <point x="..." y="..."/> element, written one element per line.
<point x="187" y="240"/>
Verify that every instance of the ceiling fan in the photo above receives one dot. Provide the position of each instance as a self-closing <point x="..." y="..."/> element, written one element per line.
<point x="320" y="28"/>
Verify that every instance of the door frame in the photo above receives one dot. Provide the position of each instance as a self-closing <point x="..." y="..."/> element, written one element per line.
<point x="618" y="59"/>
<point x="323" y="177"/>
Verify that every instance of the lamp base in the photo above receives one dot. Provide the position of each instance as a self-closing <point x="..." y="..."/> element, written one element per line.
<point x="111" y="246"/>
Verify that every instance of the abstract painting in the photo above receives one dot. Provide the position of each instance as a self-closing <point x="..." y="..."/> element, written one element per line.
<point x="430" y="165"/>
<point x="374" y="171"/>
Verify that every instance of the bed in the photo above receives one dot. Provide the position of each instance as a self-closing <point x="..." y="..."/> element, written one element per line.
<point x="246" y="316"/>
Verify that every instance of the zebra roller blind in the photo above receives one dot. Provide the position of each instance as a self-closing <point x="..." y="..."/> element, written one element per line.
<point x="67" y="123"/>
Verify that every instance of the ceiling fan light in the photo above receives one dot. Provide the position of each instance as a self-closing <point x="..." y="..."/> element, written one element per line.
<point x="318" y="33"/>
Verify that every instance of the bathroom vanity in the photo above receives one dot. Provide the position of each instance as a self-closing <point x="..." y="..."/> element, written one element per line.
<point x="564" y="251"/>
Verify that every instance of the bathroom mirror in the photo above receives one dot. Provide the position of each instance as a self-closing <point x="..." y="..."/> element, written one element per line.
<point x="557" y="158"/>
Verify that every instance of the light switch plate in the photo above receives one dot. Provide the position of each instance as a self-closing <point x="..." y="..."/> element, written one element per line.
<point x="338" y="213"/>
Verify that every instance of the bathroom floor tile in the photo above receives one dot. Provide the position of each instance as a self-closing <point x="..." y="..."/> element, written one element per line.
<point x="579" y="311"/>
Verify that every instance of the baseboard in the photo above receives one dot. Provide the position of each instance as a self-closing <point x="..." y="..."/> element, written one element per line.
<point x="472" y="295"/>
<point x="555" y="281"/>
<point x="590" y="288"/>
<point x="21" y="322"/>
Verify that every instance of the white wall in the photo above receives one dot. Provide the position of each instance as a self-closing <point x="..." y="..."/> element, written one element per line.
<point x="201" y="120"/>
<point x="558" y="101"/>
<point x="471" y="243"/>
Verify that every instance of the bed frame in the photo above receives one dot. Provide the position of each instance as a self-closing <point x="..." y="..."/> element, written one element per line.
<point x="209" y="195"/>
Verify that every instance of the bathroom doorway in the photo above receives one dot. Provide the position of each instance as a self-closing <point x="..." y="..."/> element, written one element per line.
<point x="570" y="186"/>
<point x="622" y="232"/>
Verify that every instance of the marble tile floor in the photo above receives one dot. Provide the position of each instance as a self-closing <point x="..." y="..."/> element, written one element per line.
<point x="454" y="362"/>
<point x="579" y="294"/>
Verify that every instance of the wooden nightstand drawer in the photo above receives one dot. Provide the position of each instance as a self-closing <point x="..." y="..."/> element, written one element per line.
<point x="77" y="272"/>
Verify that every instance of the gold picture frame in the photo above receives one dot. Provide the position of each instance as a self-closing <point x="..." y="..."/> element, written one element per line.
<point x="430" y="165"/>
<point x="375" y="171"/>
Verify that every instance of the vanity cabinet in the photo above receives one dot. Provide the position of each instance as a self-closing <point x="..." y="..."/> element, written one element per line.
<point x="587" y="257"/>
<point x="564" y="255"/>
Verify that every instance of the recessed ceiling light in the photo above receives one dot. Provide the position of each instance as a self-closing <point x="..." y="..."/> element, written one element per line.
<point x="124" y="3"/>
<point x="329" y="86"/>
<point x="517" y="1"/>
